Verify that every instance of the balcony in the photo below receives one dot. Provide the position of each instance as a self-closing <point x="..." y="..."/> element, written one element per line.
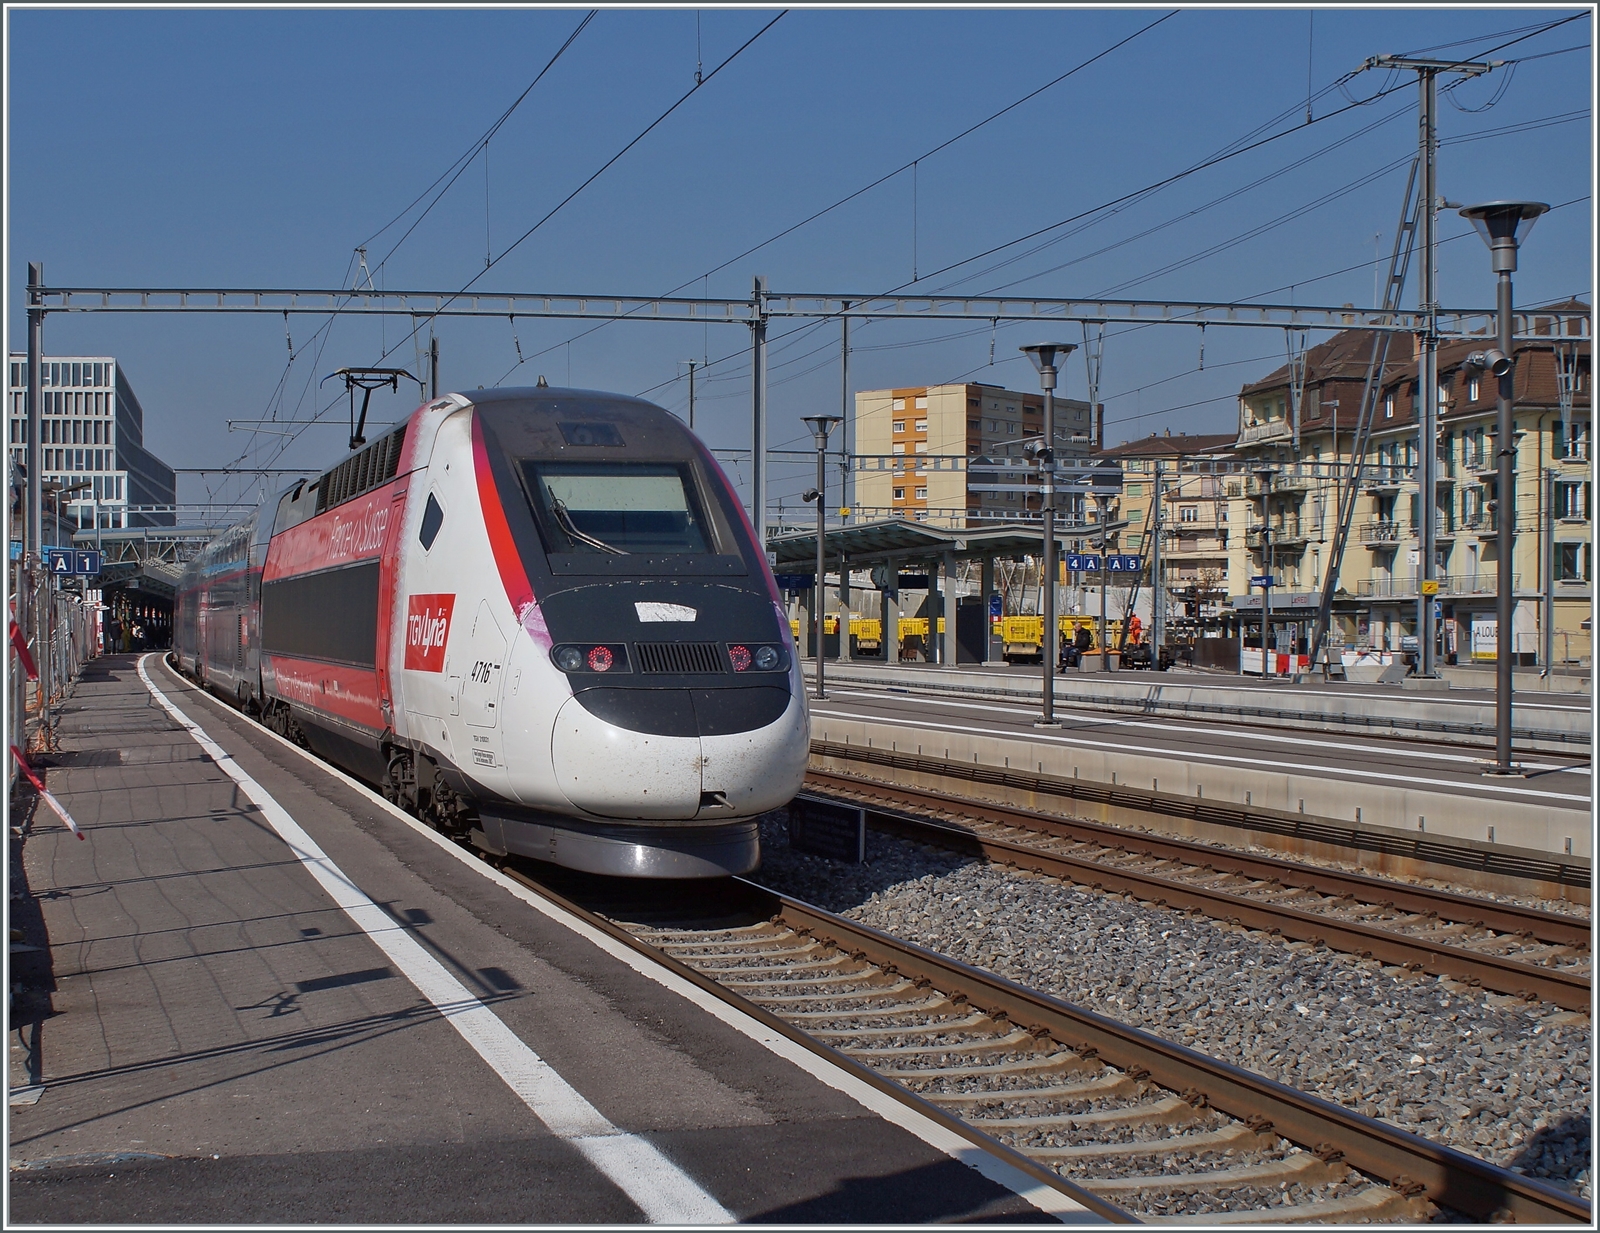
<point x="1480" y="464"/>
<point x="1272" y="430"/>
<point x="1449" y="584"/>
<point x="1385" y="477"/>
<point x="1383" y="533"/>
<point x="1289" y="535"/>
<point x="1297" y="479"/>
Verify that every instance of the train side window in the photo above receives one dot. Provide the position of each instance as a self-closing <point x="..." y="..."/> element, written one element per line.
<point x="432" y="520"/>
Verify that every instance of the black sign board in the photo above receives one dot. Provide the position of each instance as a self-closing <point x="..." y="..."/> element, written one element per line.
<point x="826" y="828"/>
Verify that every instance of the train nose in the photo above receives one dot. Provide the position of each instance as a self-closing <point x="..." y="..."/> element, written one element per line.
<point x="613" y="772"/>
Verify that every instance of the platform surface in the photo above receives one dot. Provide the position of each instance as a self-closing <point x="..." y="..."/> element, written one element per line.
<point x="211" y="1039"/>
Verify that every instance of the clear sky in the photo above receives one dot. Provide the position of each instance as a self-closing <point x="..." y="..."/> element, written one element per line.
<point x="259" y="147"/>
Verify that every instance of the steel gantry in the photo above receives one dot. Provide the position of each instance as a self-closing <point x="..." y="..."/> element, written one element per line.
<point x="755" y="313"/>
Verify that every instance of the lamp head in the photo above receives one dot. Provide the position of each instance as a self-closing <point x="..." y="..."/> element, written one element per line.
<point x="1494" y="361"/>
<point x="1503" y="226"/>
<point x="821" y="426"/>
<point x="1045" y="357"/>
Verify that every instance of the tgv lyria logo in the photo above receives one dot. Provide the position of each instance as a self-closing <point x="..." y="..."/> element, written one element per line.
<point x="427" y="630"/>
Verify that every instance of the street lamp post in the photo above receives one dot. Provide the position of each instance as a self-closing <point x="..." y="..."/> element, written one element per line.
<point x="821" y="426"/>
<point x="1045" y="357"/>
<point x="1503" y="225"/>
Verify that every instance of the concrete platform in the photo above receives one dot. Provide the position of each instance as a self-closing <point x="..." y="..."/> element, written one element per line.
<point x="1543" y="723"/>
<point x="1402" y="784"/>
<point x="206" y="1035"/>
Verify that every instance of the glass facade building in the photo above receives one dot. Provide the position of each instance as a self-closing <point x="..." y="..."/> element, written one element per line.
<point x="92" y="439"/>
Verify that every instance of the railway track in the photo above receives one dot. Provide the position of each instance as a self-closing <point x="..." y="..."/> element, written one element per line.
<point x="1503" y="947"/>
<point x="1136" y="1127"/>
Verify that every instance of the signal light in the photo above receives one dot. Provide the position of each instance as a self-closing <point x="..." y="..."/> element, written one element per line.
<point x="600" y="659"/>
<point x="739" y="657"/>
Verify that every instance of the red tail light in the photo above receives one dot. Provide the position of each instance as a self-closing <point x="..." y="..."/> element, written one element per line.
<point x="600" y="659"/>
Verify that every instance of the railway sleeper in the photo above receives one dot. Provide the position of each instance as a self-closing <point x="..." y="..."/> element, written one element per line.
<point x="1111" y="1083"/>
<point x="1238" y="1137"/>
<point x="1302" y="1167"/>
<point x="902" y="1008"/>
<point x="774" y="968"/>
<point x="806" y="999"/>
<point x="803" y="982"/>
<point x="1375" y="1203"/>
<point x="1013" y="1042"/>
<point x="1171" y="1111"/>
<point x="1060" y="1062"/>
<point x="904" y="1029"/>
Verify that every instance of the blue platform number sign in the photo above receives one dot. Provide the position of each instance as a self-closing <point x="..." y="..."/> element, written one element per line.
<point x="69" y="562"/>
<point x="996" y="603"/>
<point x="1119" y="564"/>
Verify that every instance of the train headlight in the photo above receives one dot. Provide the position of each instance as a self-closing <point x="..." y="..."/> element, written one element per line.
<point x="600" y="659"/>
<point x="568" y="658"/>
<point x="742" y="657"/>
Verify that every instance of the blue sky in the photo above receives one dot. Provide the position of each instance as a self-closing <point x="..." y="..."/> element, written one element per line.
<point x="259" y="147"/>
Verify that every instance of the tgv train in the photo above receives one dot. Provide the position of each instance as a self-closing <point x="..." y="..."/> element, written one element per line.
<point x="537" y="618"/>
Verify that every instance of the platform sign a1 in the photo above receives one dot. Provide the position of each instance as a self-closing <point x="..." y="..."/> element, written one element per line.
<point x="73" y="563"/>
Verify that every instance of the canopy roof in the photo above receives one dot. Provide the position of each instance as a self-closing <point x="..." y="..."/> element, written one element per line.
<point x="902" y="539"/>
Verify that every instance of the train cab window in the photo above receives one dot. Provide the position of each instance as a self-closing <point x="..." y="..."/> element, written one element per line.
<point x="432" y="520"/>
<point x="619" y="508"/>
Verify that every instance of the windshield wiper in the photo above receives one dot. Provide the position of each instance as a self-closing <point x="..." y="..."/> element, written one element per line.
<point x="571" y="528"/>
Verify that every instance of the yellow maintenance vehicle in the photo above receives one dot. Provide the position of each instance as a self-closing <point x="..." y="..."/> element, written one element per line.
<point x="1022" y="637"/>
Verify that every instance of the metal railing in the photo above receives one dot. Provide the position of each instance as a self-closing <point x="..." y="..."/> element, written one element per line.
<point x="1381" y="532"/>
<point x="1449" y="584"/>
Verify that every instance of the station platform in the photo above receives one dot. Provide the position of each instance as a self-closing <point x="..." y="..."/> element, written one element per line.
<point x="1407" y="784"/>
<point x="288" y="1004"/>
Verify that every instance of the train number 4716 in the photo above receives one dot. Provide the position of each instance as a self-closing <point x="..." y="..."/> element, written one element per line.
<point x="482" y="670"/>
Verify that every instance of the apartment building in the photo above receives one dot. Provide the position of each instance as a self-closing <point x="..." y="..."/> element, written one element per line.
<point x="913" y="446"/>
<point x="1199" y="480"/>
<point x="92" y="440"/>
<point x="1291" y="496"/>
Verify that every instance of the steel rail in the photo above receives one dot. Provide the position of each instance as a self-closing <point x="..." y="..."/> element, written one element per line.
<point x="768" y="905"/>
<point x="1407" y="1162"/>
<point x="1501" y="917"/>
<point x="1450" y="1178"/>
<point x="1496" y="860"/>
<point x="1422" y="955"/>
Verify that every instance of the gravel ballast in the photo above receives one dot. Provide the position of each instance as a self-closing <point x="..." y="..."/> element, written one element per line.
<point x="1487" y="1074"/>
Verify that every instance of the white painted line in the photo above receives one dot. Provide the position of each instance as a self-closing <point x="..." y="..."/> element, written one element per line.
<point x="935" y="1134"/>
<point x="1237" y="685"/>
<point x="1101" y="720"/>
<point x="662" y="1191"/>
<point x="1189" y="755"/>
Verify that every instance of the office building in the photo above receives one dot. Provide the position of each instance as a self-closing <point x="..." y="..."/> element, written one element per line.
<point x="92" y="440"/>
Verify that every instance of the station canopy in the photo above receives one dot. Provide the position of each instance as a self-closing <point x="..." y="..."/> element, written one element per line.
<point x="894" y="540"/>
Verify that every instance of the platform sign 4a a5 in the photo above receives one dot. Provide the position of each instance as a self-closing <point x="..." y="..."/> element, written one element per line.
<point x="73" y="562"/>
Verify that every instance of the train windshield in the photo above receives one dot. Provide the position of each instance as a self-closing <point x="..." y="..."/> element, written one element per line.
<point x="619" y="508"/>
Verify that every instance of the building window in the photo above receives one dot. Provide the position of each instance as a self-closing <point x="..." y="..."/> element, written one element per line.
<point x="1572" y="501"/>
<point x="922" y="402"/>
<point x="922" y="425"/>
<point x="1189" y="513"/>
<point x="899" y="405"/>
<point x="1135" y="515"/>
<point x="1388" y="406"/>
<point x="899" y="494"/>
<point x="1011" y="429"/>
<point x="899" y="425"/>
<point x="1472" y="389"/>
<point x="922" y="494"/>
<point x="1572" y="562"/>
<point x="1571" y="440"/>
